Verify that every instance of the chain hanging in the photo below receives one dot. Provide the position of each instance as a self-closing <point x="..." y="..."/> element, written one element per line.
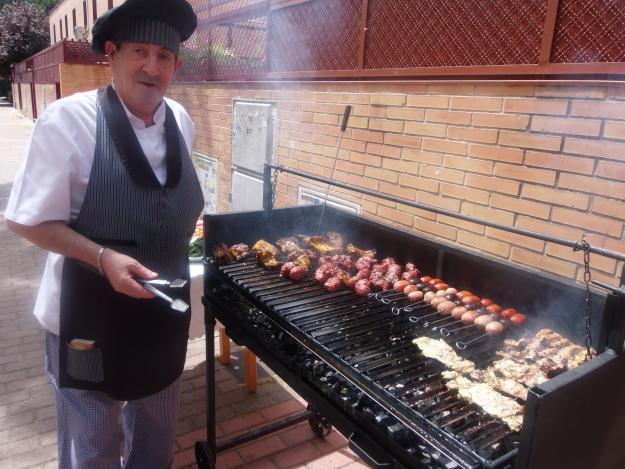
<point x="585" y="246"/>
<point x="274" y="185"/>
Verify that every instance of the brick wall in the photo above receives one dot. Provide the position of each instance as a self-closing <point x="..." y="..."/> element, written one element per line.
<point x="75" y="78"/>
<point x="547" y="158"/>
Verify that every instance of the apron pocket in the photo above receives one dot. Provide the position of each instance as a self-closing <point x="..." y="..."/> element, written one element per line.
<point x="85" y="365"/>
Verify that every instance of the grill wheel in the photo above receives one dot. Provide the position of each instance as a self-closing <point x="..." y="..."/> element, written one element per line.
<point x="320" y="426"/>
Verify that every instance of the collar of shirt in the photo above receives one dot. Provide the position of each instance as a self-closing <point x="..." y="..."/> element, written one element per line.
<point x="137" y="123"/>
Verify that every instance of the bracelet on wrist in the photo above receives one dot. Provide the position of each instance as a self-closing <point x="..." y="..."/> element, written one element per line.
<point x="99" y="259"/>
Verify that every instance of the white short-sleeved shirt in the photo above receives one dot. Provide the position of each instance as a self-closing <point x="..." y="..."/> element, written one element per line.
<point x="52" y="181"/>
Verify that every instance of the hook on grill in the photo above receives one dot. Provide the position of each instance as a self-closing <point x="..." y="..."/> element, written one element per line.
<point x="464" y="345"/>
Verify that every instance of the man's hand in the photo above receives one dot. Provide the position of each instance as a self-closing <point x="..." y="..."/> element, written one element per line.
<point x="121" y="271"/>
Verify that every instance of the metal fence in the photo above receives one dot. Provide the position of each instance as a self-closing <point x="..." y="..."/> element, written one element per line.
<point x="265" y="39"/>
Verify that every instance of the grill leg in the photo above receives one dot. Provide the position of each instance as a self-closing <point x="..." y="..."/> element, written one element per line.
<point x="224" y="347"/>
<point x="206" y="452"/>
<point x="250" y="371"/>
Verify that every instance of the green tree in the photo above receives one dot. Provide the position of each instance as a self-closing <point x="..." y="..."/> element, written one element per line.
<point x="46" y="4"/>
<point x="24" y="31"/>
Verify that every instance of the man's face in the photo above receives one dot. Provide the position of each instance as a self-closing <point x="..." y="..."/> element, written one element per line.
<point x="142" y="74"/>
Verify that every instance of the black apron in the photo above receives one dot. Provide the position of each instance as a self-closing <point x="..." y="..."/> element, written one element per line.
<point x="140" y="345"/>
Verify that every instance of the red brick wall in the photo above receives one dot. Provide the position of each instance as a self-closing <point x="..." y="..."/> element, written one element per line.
<point x="548" y="158"/>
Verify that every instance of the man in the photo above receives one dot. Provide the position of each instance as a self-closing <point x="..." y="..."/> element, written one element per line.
<point x="108" y="188"/>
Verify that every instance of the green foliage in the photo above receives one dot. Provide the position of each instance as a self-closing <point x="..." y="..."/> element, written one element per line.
<point x="24" y="31"/>
<point x="46" y="4"/>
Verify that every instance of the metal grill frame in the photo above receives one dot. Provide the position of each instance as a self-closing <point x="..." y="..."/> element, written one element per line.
<point x="433" y="257"/>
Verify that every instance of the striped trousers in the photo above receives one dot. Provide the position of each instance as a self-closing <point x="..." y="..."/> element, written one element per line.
<point x="87" y="424"/>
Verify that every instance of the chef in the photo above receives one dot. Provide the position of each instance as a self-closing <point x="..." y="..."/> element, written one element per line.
<point x="108" y="188"/>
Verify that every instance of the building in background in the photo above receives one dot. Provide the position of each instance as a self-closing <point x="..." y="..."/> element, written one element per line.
<point x="74" y="19"/>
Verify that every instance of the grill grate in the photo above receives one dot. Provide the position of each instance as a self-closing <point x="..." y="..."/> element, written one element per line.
<point x="375" y="342"/>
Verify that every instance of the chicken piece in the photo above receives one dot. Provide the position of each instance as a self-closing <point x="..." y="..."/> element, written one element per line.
<point x="222" y="254"/>
<point x="263" y="246"/>
<point x="319" y="244"/>
<point x="288" y="245"/>
<point x="351" y="249"/>
<point x="507" y="386"/>
<point x="335" y="240"/>
<point x="494" y="403"/>
<point x="441" y="351"/>
<point x="303" y="260"/>
<point x="239" y="251"/>
<point x="267" y="260"/>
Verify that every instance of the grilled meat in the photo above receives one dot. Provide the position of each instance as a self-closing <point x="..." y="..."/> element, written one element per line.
<point x="332" y="284"/>
<point x="239" y="251"/>
<point x="351" y="249"/>
<point x="552" y="351"/>
<point x="288" y="245"/>
<point x="266" y="254"/>
<point x="286" y="269"/>
<point x="222" y="254"/>
<point x="335" y="240"/>
<point x="297" y="273"/>
<point x="319" y="244"/>
<point x="263" y="246"/>
<point x="494" y="403"/>
<point x="365" y="262"/>
<point x="441" y="351"/>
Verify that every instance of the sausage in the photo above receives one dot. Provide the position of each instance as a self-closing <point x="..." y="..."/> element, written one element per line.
<point x="458" y="311"/>
<point x="445" y="307"/>
<point x="494" y="328"/>
<point x="518" y="318"/>
<point x="469" y="317"/>
<point x="436" y="301"/>
<point x="428" y="296"/>
<point x="508" y="312"/>
<point x="486" y="301"/>
<point x="463" y="293"/>
<point x="400" y="285"/>
<point x="409" y="289"/>
<point x="451" y="291"/>
<point x="441" y="286"/>
<point x="483" y="320"/>
<point x="469" y="299"/>
<point x="415" y="296"/>
<point x="494" y="309"/>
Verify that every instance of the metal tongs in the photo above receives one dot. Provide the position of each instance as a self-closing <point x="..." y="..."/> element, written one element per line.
<point x="176" y="304"/>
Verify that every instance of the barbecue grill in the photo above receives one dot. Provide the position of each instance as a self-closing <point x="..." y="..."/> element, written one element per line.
<point x="353" y="360"/>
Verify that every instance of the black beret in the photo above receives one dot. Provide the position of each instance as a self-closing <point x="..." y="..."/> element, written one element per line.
<point x="176" y="13"/>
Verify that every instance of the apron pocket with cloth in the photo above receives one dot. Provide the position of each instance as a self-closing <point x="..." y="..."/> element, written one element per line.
<point x="85" y="365"/>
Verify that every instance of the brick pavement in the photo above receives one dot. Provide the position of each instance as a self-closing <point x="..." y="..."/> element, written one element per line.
<point x="27" y="413"/>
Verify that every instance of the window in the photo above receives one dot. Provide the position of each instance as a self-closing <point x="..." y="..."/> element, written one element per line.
<point x="84" y="13"/>
<point x="61" y="28"/>
<point x="66" y="31"/>
<point x="54" y="33"/>
<point x="95" y="10"/>
<point x="110" y="4"/>
<point x="74" y="19"/>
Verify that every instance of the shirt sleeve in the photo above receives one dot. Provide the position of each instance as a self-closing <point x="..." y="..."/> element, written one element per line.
<point x="41" y="191"/>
